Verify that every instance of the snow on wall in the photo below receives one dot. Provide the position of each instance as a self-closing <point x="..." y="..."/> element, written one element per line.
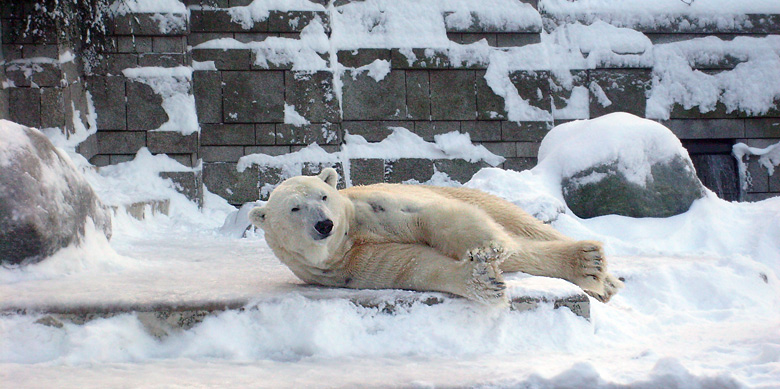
<point x="173" y="85"/>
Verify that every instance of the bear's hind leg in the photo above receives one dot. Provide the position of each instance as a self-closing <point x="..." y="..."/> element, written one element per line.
<point x="423" y="268"/>
<point x="580" y="262"/>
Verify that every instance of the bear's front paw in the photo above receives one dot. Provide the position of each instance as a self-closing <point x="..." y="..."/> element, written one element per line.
<point x="590" y="268"/>
<point x="486" y="284"/>
<point x="492" y="252"/>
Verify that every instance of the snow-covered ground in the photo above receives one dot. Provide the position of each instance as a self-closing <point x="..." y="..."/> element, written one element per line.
<point x="701" y="307"/>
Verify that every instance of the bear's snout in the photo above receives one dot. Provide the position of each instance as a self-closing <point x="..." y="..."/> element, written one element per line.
<point x="324" y="228"/>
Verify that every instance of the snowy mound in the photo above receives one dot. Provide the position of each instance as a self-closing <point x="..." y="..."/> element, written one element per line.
<point x="45" y="203"/>
<point x="620" y="164"/>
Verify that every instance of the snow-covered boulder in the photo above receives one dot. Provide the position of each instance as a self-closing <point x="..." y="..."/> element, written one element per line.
<point x="620" y="164"/>
<point x="45" y="203"/>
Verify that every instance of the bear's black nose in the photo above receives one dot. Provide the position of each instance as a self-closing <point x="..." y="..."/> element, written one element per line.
<point x="324" y="227"/>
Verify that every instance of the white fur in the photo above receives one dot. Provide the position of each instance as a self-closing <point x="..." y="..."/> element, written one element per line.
<point x="415" y="237"/>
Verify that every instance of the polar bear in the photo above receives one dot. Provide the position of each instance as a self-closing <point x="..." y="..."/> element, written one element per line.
<point x="416" y="237"/>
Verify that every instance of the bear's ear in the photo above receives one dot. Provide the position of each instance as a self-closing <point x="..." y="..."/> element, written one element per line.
<point x="257" y="216"/>
<point x="330" y="176"/>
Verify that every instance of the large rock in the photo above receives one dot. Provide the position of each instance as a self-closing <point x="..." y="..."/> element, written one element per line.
<point x="670" y="191"/>
<point x="620" y="164"/>
<point x="45" y="203"/>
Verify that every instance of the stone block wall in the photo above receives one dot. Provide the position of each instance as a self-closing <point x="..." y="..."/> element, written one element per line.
<point x="241" y="102"/>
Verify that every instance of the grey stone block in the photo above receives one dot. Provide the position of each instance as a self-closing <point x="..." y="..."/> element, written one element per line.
<point x="489" y="105"/>
<point x="482" y="131"/>
<point x="100" y="160"/>
<point x="144" y="107"/>
<point x="114" y="63"/>
<point x="312" y="95"/>
<point x="267" y="150"/>
<point x="519" y="164"/>
<point x="527" y="149"/>
<point x="16" y="74"/>
<point x="458" y="169"/>
<point x="478" y="25"/>
<point x="420" y="59"/>
<point x="759" y="177"/>
<point x="108" y="96"/>
<point x="361" y="57"/>
<point x="753" y="197"/>
<point x="248" y="37"/>
<point x="169" y="44"/>
<point x="320" y="133"/>
<point x="517" y="39"/>
<point x="374" y="131"/>
<point x="196" y="38"/>
<point x="149" y="24"/>
<point x="171" y="142"/>
<point x="219" y="20"/>
<point x="362" y="100"/>
<point x="534" y="87"/>
<point x="120" y="142"/>
<point x="407" y="169"/>
<point x="25" y="106"/>
<point x="227" y="134"/>
<point x="707" y="128"/>
<point x="89" y="147"/>
<point x="231" y="59"/>
<point x="225" y="180"/>
<point x="295" y="21"/>
<point x="762" y="128"/>
<point x="120" y="158"/>
<point x="366" y="171"/>
<point x="252" y="97"/>
<point x="52" y="108"/>
<point x="626" y="90"/>
<point x="261" y="59"/>
<point x="190" y="184"/>
<point x="207" y="87"/>
<point x="50" y="75"/>
<point x="469" y="38"/>
<point x="162" y="60"/>
<point x="524" y="131"/>
<point x="427" y="130"/>
<point x="504" y="149"/>
<point x="453" y="95"/>
<point x="221" y="153"/>
<point x="561" y="92"/>
<point x="134" y="44"/>
<point x="418" y="95"/>
<point x="40" y="50"/>
<point x="265" y="134"/>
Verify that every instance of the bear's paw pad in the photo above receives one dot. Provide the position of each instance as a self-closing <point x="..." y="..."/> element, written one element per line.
<point x="486" y="284"/>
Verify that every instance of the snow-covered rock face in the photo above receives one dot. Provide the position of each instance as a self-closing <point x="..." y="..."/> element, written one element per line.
<point x="620" y="164"/>
<point x="45" y="203"/>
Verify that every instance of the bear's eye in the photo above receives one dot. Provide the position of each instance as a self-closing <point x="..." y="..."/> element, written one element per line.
<point x="324" y="198"/>
<point x="295" y="209"/>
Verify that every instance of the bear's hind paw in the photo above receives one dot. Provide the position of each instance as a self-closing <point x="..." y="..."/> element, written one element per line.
<point x="486" y="284"/>
<point x="492" y="252"/>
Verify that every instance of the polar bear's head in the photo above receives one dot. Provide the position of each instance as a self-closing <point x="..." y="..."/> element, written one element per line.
<point x="304" y="215"/>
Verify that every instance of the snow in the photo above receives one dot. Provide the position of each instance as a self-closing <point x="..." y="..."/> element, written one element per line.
<point x="401" y="143"/>
<point x="634" y="143"/>
<point x="768" y="157"/>
<point x="173" y="85"/>
<point x="700" y="307"/>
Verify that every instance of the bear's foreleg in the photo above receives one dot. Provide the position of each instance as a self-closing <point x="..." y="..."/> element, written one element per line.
<point x="580" y="262"/>
<point x="422" y="268"/>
